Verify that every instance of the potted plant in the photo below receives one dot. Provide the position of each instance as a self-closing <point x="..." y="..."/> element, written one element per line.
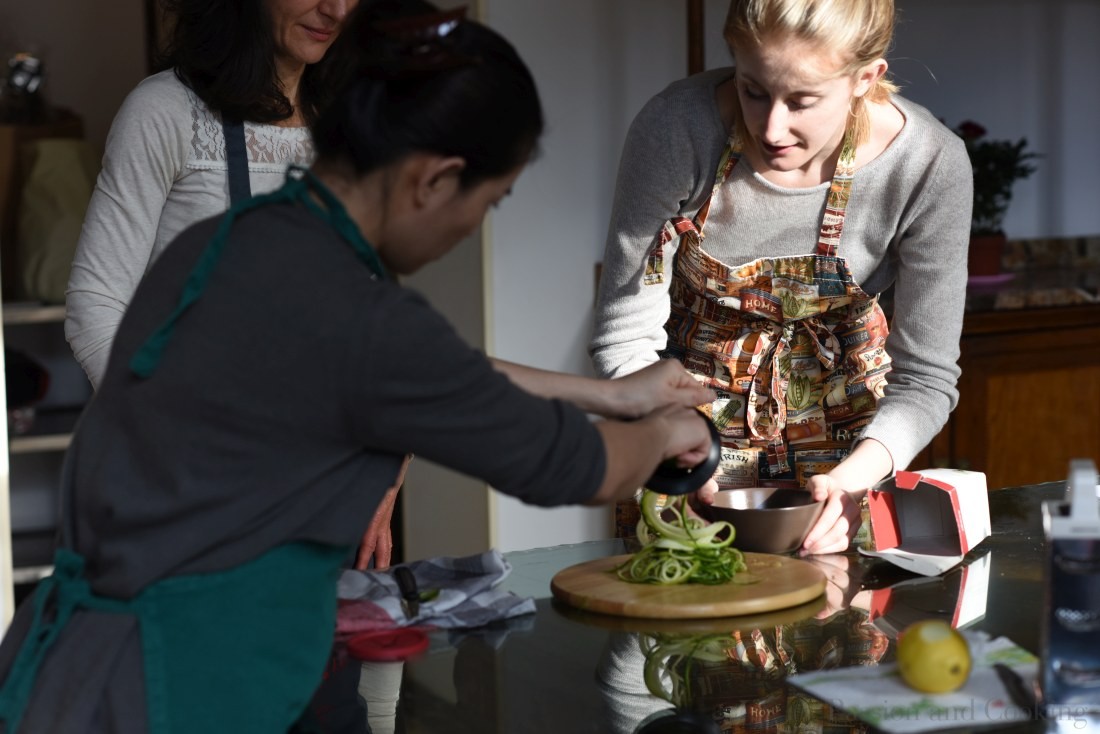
<point x="997" y="164"/>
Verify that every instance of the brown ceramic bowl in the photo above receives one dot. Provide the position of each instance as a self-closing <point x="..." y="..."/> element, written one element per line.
<point x="765" y="519"/>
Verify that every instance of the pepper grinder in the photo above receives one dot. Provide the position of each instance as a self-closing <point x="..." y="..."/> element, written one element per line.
<point x="1070" y="635"/>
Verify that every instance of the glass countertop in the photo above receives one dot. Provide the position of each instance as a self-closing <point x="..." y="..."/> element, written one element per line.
<point x="562" y="670"/>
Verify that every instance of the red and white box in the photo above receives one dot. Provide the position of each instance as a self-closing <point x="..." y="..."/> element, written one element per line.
<point x="927" y="521"/>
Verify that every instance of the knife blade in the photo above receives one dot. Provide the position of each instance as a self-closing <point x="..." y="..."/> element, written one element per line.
<point x="410" y="595"/>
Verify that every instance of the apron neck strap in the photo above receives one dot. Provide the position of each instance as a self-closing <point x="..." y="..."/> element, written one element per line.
<point x="832" y="222"/>
<point x="836" y="205"/>
<point x="301" y="187"/>
<point x="236" y="160"/>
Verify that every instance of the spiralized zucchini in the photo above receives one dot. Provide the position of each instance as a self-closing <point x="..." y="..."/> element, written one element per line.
<point x="670" y="661"/>
<point x="682" y="550"/>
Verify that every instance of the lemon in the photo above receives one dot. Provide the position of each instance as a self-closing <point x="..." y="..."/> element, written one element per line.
<point x="933" y="657"/>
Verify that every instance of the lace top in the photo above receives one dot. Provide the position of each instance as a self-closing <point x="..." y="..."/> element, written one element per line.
<point x="164" y="168"/>
<point x="270" y="147"/>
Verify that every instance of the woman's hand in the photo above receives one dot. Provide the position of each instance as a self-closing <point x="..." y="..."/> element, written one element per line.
<point x="843" y="489"/>
<point x="663" y="383"/>
<point x="839" y="521"/>
<point x="704" y="496"/>
<point x="635" y="448"/>
<point x="377" y="542"/>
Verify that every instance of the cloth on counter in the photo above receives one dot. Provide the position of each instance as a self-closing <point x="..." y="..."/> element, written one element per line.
<point x="878" y="695"/>
<point x="468" y="595"/>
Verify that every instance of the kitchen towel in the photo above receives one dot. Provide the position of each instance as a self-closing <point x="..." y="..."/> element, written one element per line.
<point x="878" y="696"/>
<point x="464" y="593"/>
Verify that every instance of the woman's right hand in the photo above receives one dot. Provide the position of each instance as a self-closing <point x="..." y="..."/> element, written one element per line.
<point x="635" y="448"/>
<point x="705" y="494"/>
<point x="688" y="437"/>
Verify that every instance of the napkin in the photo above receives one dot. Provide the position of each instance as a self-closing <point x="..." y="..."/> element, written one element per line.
<point x="468" y="595"/>
<point x="878" y="696"/>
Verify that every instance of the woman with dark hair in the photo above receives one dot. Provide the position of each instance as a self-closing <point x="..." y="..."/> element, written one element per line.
<point x="266" y="384"/>
<point x="224" y="121"/>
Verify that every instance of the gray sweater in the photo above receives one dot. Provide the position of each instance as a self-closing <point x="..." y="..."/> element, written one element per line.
<point x="907" y="225"/>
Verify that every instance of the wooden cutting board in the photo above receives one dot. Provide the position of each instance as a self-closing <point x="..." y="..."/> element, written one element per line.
<point x="744" y="623"/>
<point x="783" y="582"/>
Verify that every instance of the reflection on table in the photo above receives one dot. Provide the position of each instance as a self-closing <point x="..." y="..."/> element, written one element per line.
<point x="564" y="670"/>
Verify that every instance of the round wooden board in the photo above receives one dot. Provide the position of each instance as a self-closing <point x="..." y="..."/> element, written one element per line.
<point x="743" y="623"/>
<point x="784" y="582"/>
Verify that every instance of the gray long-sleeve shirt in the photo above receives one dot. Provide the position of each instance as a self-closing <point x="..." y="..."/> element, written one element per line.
<point x="164" y="169"/>
<point x="907" y="225"/>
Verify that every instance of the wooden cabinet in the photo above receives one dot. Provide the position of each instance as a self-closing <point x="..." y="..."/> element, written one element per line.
<point x="1029" y="396"/>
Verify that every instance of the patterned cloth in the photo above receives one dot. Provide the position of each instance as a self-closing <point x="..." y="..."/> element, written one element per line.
<point x="793" y="346"/>
<point x="468" y="595"/>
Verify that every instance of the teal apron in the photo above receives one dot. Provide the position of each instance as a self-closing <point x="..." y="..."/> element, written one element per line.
<point x="240" y="650"/>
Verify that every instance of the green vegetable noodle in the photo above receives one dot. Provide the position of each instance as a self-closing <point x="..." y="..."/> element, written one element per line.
<point x="683" y="549"/>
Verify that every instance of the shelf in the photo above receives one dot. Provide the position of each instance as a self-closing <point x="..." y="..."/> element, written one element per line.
<point x="36" y="444"/>
<point x="30" y="574"/>
<point x="29" y="312"/>
<point x="32" y="555"/>
<point x="52" y="430"/>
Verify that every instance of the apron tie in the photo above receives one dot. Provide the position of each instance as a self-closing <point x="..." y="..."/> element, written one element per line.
<point x="779" y="332"/>
<point x="767" y="404"/>
<point x="69" y="591"/>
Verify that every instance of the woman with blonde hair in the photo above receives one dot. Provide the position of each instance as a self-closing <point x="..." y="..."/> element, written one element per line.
<point x="760" y="212"/>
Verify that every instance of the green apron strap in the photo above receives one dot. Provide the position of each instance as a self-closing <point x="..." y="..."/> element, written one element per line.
<point x="67" y="587"/>
<point x="336" y="215"/>
<point x="299" y="185"/>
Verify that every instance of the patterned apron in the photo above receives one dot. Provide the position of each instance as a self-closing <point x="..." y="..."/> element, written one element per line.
<point x="792" y="345"/>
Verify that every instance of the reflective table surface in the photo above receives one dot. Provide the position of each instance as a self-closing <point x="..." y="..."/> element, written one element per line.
<point x="562" y="670"/>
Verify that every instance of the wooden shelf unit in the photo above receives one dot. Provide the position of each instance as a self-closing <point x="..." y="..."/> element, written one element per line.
<point x="33" y="460"/>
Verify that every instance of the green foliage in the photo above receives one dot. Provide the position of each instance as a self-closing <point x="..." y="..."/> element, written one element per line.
<point x="998" y="164"/>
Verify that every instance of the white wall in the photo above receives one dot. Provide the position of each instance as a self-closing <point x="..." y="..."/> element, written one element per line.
<point x="1020" y="68"/>
<point x="595" y="64"/>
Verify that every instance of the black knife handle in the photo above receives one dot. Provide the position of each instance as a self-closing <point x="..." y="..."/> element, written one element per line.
<point x="406" y="582"/>
<point x="1021" y="694"/>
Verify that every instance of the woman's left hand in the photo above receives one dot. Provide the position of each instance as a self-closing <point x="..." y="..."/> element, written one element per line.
<point x="663" y="383"/>
<point x="839" y="521"/>
<point x="843" y="489"/>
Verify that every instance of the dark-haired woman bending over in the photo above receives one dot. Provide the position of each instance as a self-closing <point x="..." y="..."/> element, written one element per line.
<point x="223" y="122"/>
<point x="265" y="385"/>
